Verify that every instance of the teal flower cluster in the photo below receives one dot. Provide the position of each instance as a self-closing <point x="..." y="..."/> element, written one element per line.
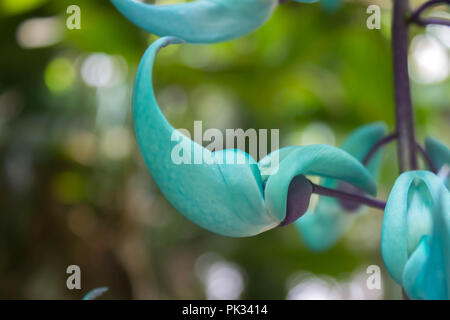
<point x="245" y="199"/>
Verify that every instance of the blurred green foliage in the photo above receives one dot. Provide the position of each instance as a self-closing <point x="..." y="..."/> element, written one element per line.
<point x="74" y="189"/>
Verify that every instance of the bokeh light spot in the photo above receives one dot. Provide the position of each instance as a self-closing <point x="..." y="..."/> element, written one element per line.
<point x="59" y="75"/>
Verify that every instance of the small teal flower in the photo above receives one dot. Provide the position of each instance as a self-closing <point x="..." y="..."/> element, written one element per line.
<point x="322" y="227"/>
<point x="439" y="155"/>
<point x="415" y="240"/>
<point x="201" y="21"/>
<point x="231" y="199"/>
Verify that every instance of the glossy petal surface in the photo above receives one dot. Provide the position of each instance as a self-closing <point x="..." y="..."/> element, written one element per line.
<point x="415" y="239"/>
<point x="414" y="268"/>
<point x="436" y="276"/>
<point x="227" y="197"/>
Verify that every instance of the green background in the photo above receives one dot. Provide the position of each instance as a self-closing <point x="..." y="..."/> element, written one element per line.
<point x="74" y="188"/>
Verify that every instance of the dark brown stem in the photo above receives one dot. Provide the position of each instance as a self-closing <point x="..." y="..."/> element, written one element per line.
<point x="427" y="21"/>
<point x="383" y="141"/>
<point x="361" y="199"/>
<point x="403" y="105"/>
<point x="417" y="13"/>
<point x="426" y="157"/>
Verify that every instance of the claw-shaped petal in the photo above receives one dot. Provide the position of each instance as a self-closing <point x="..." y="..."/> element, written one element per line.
<point x="415" y="240"/>
<point x="230" y="197"/>
<point x="226" y="199"/>
<point x="201" y="21"/>
<point x="322" y="227"/>
<point x="316" y="160"/>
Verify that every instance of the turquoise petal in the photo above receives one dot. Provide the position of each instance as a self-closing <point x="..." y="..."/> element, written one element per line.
<point x="95" y="293"/>
<point x="322" y="227"/>
<point x="414" y="268"/>
<point x="439" y="155"/>
<point x="408" y="217"/>
<point x="427" y="272"/>
<point x="314" y="160"/>
<point x="268" y="164"/>
<point x="228" y="197"/>
<point x="438" y="152"/>
<point x="201" y="21"/>
<point x="361" y="141"/>
<point x="223" y="198"/>
<point x="436" y="275"/>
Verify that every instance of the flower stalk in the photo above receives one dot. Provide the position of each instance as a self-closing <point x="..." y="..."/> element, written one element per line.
<point x="406" y="143"/>
<point x="347" y="196"/>
<point x="384" y="141"/>
<point x="434" y="21"/>
<point x="426" y="158"/>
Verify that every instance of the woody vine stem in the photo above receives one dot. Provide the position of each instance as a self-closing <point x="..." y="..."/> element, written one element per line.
<point x="404" y="118"/>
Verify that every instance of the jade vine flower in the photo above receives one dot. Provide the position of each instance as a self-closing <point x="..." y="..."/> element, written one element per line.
<point x="201" y="21"/>
<point x="237" y="199"/>
<point x="322" y="227"/>
<point x="415" y="240"/>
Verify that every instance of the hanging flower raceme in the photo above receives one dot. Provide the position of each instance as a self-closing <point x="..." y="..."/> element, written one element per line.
<point x="201" y="21"/>
<point x="238" y="198"/>
<point x="321" y="227"/>
<point x="415" y="241"/>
